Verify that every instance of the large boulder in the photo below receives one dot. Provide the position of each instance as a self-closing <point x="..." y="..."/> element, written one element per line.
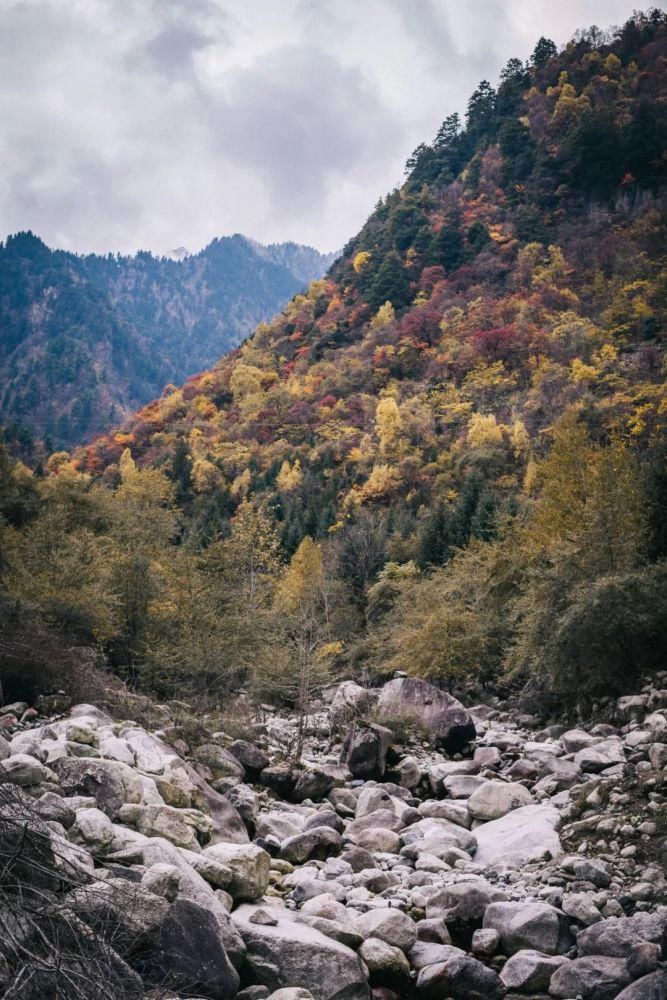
<point x="617" y="936"/>
<point x="180" y="826"/>
<point x="127" y="910"/>
<point x="226" y="822"/>
<point x="462" y="977"/>
<point x="522" y="836"/>
<point x="651" y="987"/>
<point x="495" y="799"/>
<point x="535" y="926"/>
<point x="601" y="755"/>
<point x="286" y="952"/>
<point x="222" y="763"/>
<point x="110" y="782"/>
<point x="318" y="842"/>
<point x="24" y="770"/>
<point x="249" y="865"/>
<point x="463" y="903"/>
<point x="529" y="972"/>
<point x="385" y="963"/>
<point x="316" y="782"/>
<point x="188" y="954"/>
<point x="349" y="701"/>
<point x="446" y="718"/>
<point x="365" y="750"/>
<point x="195" y="887"/>
<point x="251" y="757"/>
<point x="596" y="977"/>
<point x="388" y="924"/>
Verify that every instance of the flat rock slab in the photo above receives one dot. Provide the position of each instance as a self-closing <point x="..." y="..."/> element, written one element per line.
<point x="523" y="835"/>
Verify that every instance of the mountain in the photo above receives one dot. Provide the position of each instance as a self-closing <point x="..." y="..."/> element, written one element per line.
<point x="85" y="340"/>
<point x="514" y="276"/>
<point x="445" y="457"/>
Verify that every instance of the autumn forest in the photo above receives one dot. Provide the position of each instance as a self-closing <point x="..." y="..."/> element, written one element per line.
<point x="445" y="457"/>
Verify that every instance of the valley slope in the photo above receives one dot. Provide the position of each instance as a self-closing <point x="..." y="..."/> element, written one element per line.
<point x="445" y="457"/>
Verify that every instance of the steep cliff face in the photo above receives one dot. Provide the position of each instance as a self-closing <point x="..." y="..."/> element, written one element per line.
<point x="85" y="340"/>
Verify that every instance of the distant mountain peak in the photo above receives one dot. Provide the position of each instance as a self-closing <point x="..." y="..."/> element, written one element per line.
<point x="73" y="365"/>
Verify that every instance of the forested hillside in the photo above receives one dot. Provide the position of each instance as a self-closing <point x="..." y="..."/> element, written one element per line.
<point x="86" y="340"/>
<point x="446" y="456"/>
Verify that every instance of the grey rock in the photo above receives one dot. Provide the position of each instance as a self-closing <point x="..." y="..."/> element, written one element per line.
<point x="577" y="739"/>
<point x="379" y="840"/>
<point x="93" y="829"/>
<point x="188" y="954"/>
<point x="534" y="926"/>
<point x="349" y="701"/>
<point x="591" y="870"/>
<point x="291" y="952"/>
<point x="643" y="959"/>
<point x="597" y="977"/>
<point x="494" y="799"/>
<point x="194" y="886"/>
<point x="163" y="880"/>
<point x="341" y="932"/>
<point x="530" y="972"/>
<point x="455" y="812"/>
<point x="461" y="977"/>
<point x="249" y="864"/>
<point x="319" y="843"/>
<point x="651" y="987"/>
<point x="251" y="757"/>
<point x="439" y="828"/>
<point x="22" y="769"/>
<point x="388" y="924"/>
<point x="617" y="936"/>
<point x="485" y="942"/>
<point x="53" y="807"/>
<point x="325" y="817"/>
<point x="316" y="782"/>
<point x="462" y="786"/>
<point x="221" y="762"/>
<point x="424" y="953"/>
<point x="522" y="836"/>
<point x="463" y="902"/>
<point x="450" y="723"/>
<point x="581" y="906"/>
<point x="365" y="750"/>
<point x="406" y="773"/>
<point x="291" y="993"/>
<point x="385" y="962"/>
<point x="111" y="783"/>
<point x="433" y="929"/>
<point x="601" y="755"/>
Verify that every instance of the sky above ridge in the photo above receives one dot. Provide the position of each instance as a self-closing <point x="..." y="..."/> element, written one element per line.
<point x="158" y="124"/>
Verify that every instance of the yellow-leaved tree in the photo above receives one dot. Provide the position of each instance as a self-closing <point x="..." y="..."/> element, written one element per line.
<point x="388" y="424"/>
<point x="299" y="666"/>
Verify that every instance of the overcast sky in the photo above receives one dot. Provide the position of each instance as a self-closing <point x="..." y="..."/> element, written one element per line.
<point x="156" y="124"/>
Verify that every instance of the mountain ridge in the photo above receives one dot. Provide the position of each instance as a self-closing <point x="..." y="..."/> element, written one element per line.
<point x="87" y="338"/>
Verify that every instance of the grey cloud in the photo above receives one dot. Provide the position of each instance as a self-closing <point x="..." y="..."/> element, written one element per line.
<point x="300" y="119"/>
<point x="172" y="50"/>
<point x="160" y="123"/>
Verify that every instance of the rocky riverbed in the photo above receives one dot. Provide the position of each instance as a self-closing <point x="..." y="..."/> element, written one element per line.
<point x="437" y="851"/>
